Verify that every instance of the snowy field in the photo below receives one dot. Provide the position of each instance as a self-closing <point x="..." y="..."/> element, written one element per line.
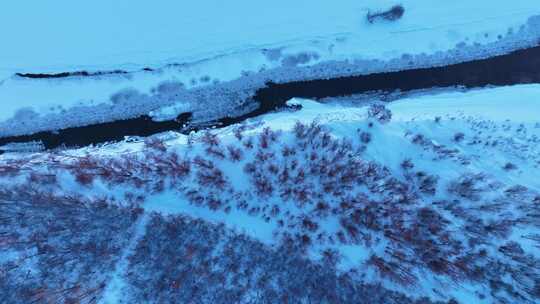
<point x="433" y="197"/>
<point x="132" y="34"/>
<point x="223" y="52"/>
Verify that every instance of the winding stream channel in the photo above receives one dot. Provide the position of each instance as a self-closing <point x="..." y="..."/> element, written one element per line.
<point x="519" y="67"/>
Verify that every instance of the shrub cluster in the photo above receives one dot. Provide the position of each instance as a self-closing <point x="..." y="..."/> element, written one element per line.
<point x="203" y="263"/>
<point x="322" y="192"/>
<point x="392" y="14"/>
<point x="58" y="249"/>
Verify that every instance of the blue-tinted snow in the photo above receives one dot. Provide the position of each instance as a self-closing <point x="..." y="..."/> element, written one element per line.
<point x="223" y="52"/>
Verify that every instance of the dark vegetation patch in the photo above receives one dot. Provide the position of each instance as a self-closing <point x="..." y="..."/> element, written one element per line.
<point x="463" y="238"/>
<point x="392" y="14"/>
<point x="203" y="263"/>
<point x="58" y="248"/>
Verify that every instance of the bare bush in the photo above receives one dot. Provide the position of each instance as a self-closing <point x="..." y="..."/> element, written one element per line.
<point x="365" y="137"/>
<point x="509" y="167"/>
<point x="458" y="137"/>
<point x="407" y="164"/>
<point x="427" y="183"/>
<point x="155" y="143"/>
<point x="467" y="186"/>
<point x="393" y="14"/>
<point x="380" y="113"/>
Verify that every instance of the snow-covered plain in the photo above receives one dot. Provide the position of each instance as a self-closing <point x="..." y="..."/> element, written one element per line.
<point x="241" y="45"/>
<point x="440" y="203"/>
<point x="63" y="36"/>
<point x="458" y="170"/>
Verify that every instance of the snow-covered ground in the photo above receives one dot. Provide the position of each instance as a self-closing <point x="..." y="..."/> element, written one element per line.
<point x="456" y="170"/>
<point x="63" y="36"/>
<point x="240" y="45"/>
<point x="440" y="199"/>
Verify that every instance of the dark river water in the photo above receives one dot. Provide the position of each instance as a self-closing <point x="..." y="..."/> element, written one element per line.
<point x="519" y="67"/>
